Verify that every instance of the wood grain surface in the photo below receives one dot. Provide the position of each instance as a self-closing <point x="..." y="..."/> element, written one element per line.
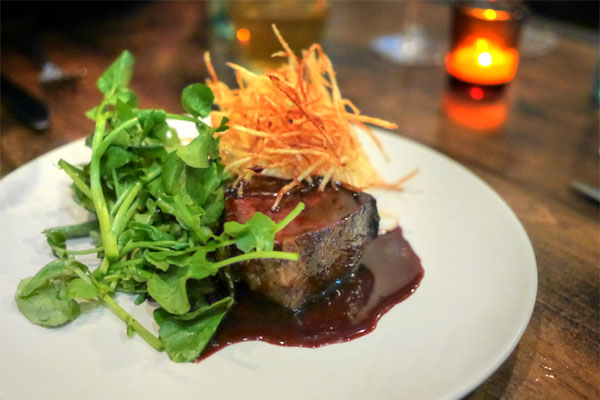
<point x="548" y="137"/>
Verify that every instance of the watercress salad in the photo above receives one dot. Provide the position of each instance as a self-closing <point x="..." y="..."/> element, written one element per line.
<point x="157" y="207"/>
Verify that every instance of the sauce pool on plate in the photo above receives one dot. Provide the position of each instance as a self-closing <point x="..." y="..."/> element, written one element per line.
<point x="390" y="271"/>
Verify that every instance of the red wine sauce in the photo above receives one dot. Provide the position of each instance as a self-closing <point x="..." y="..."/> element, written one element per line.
<point x="390" y="271"/>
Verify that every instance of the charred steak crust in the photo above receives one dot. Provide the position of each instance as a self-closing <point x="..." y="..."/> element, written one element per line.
<point x="326" y="253"/>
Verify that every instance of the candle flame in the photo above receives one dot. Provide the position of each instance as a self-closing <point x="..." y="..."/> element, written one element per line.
<point x="481" y="44"/>
<point x="484" y="59"/>
<point x="481" y="61"/>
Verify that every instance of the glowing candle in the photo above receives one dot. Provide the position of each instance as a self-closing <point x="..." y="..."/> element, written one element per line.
<point x="483" y="50"/>
<point x="483" y="62"/>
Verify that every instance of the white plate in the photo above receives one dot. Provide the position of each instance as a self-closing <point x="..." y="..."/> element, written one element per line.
<point x="473" y="305"/>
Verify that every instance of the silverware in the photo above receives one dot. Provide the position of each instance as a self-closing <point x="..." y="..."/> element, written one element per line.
<point x="52" y="76"/>
<point x="586" y="190"/>
<point x="27" y="109"/>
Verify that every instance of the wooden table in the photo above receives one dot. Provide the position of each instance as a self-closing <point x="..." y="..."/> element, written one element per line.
<point x="548" y="137"/>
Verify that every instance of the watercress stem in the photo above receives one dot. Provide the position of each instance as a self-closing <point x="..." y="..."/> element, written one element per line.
<point x="75" y="230"/>
<point x="124" y="316"/>
<point x="156" y="245"/>
<point x="116" y="182"/>
<point x="122" y="264"/>
<point x="82" y="252"/>
<point x="293" y="214"/>
<point x="99" y="146"/>
<point x="183" y="118"/>
<point x="104" y="266"/>
<point x="107" y="141"/>
<point x="257" y="254"/>
<point x="109" y="241"/>
<point x="119" y="201"/>
<point x="120" y="218"/>
<point x="81" y="185"/>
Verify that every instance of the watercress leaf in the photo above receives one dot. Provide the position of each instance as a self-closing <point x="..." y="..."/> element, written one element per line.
<point x="145" y="218"/>
<point x="126" y="96"/>
<point x="151" y="205"/>
<point x="57" y="236"/>
<point x="57" y="242"/>
<point x="202" y="234"/>
<point x="57" y="270"/>
<point x="203" y="307"/>
<point x="163" y="265"/>
<point x="169" y="290"/>
<point x="150" y="153"/>
<point x="76" y="230"/>
<point x="88" y="141"/>
<point x="132" y="278"/>
<point x="170" y="257"/>
<point x="173" y="176"/>
<point x="74" y="171"/>
<point x="130" y="235"/>
<point x="82" y="199"/>
<point x="197" y="99"/>
<point x="185" y="339"/>
<point x="124" y="110"/>
<point x="153" y="232"/>
<point x="212" y="144"/>
<point x="164" y="259"/>
<point x="48" y="305"/>
<point x="153" y="123"/>
<point x="257" y="233"/>
<point x="187" y="215"/>
<point x="92" y="114"/>
<point x="115" y="157"/>
<point x="160" y="132"/>
<point x="151" y="173"/>
<point x="223" y="125"/>
<point x="201" y="269"/>
<point x="137" y="273"/>
<point x="196" y="153"/>
<point x="96" y="237"/>
<point x="80" y="289"/>
<point x="214" y="209"/>
<point x="117" y="75"/>
<point x="201" y="182"/>
<point x="172" y="141"/>
<point x="197" y="294"/>
<point x="140" y="299"/>
<point x="123" y="139"/>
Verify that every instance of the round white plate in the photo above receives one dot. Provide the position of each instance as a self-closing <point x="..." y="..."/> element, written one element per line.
<point x="472" y="307"/>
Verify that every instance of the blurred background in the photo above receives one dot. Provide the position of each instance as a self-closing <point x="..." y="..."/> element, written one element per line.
<point x="389" y="57"/>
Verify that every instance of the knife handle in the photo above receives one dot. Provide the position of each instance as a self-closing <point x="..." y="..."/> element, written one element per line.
<point x="27" y="109"/>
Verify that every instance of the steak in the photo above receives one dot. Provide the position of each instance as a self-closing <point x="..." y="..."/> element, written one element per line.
<point x="329" y="235"/>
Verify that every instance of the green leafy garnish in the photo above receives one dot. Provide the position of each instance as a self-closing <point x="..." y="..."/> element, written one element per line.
<point x="157" y="208"/>
<point x="197" y="100"/>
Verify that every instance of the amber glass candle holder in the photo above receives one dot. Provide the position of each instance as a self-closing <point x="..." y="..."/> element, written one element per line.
<point x="484" y="39"/>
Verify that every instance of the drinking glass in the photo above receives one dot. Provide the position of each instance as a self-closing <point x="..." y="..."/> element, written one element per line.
<point x="412" y="44"/>
<point x="300" y="22"/>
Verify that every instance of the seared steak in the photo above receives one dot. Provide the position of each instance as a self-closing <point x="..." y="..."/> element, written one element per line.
<point x="329" y="236"/>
